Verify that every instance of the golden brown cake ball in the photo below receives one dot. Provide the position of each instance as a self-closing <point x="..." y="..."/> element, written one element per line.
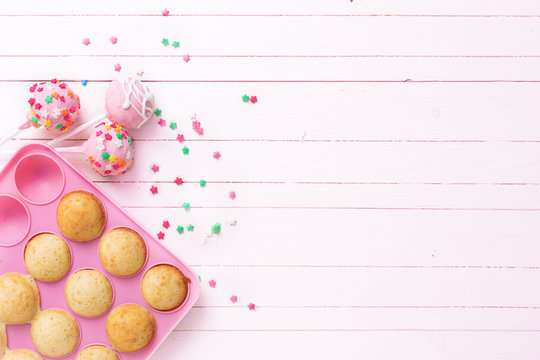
<point x="122" y="251"/>
<point x="164" y="287"/>
<point x="3" y="340"/>
<point x="22" y="354"/>
<point x="19" y="298"/>
<point x="97" y="352"/>
<point x="47" y="257"/>
<point x="130" y="328"/>
<point x="55" y="333"/>
<point x="80" y="216"/>
<point x="89" y="293"/>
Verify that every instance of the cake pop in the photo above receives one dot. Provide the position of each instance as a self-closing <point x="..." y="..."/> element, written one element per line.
<point x="128" y="102"/>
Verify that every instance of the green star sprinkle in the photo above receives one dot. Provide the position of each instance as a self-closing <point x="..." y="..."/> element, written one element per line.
<point x="165" y="42"/>
<point x="59" y="126"/>
<point x="172" y="125"/>
<point x="119" y="136"/>
<point x="199" y="277"/>
<point x="180" y="229"/>
<point x="202" y="183"/>
<point x="190" y="227"/>
<point x="48" y="99"/>
<point x="157" y="112"/>
<point x="175" y="44"/>
<point x="216" y="228"/>
<point x="186" y="206"/>
<point x="245" y="98"/>
<point x="105" y="156"/>
<point x="33" y="119"/>
<point x="129" y="141"/>
<point x="185" y="150"/>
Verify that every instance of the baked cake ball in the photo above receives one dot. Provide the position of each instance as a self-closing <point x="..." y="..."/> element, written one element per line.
<point x="97" y="352"/>
<point x="164" y="287"/>
<point x="47" y="257"/>
<point x="89" y="293"/>
<point x="80" y="216"/>
<point x="130" y="328"/>
<point x="3" y="340"/>
<point x="122" y="252"/>
<point x="22" y="354"/>
<point x="19" y="298"/>
<point x="53" y="105"/>
<point x="55" y="333"/>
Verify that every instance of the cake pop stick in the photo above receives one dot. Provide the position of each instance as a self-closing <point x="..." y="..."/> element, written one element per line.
<point x="52" y="105"/>
<point x="128" y="102"/>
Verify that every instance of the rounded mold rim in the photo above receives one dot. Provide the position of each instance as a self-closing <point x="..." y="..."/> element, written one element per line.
<point x="59" y="166"/>
<point x="28" y="216"/>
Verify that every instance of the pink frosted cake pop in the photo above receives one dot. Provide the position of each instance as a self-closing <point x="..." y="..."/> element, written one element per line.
<point x="129" y="102"/>
<point x="53" y="105"/>
<point x="109" y="150"/>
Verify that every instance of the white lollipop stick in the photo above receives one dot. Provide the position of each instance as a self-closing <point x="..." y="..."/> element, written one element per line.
<point x="75" y="131"/>
<point x="13" y="133"/>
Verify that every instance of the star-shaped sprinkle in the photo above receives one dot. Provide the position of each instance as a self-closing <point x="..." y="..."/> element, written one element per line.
<point x="173" y="125"/>
<point x="86" y="41"/>
<point x="160" y="235"/>
<point x="212" y="283"/>
<point x="253" y="99"/>
<point x="113" y="40"/>
<point x="180" y="229"/>
<point x="180" y="138"/>
<point x="47" y="123"/>
<point x="165" y="42"/>
<point x="105" y="156"/>
<point x="190" y="227"/>
<point x="119" y="143"/>
<point x="166" y="224"/>
<point x="117" y="67"/>
<point x="187" y="58"/>
<point x="162" y="122"/>
<point x="84" y="83"/>
<point x="232" y="195"/>
<point x="185" y="150"/>
<point x="216" y="228"/>
<point x="157" y="112"/>
<point x="44" y="113"/>
<point x="216" y="155"/>
<point x="48" y="99"/>
<point x="251" y="306"/>
<point x="186" y="206"/>
<point x="178" y="181"/>
<point x="129" y="141"/>
<point x="202" y="183"/>
<point x="155" y="168"/>
<point x="175" y="44"/>
<point x="59" y="126"/>
<point x="233" y="298"/>
<point x="56" y="113"/>
<point x="165" y="12"/>
<point x="153" y="190"/>
<point x="245" y="98"/>
<point x="112" y="158"/>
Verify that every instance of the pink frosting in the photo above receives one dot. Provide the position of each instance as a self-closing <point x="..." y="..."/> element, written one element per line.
<point x="53" y="105"/>
<point x="109" y="150"/>
<point x="129" y="103"/>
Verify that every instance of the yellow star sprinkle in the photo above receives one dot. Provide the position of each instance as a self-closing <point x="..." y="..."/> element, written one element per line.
<point x="112" y="158"/>
<point x="47" y="123"/>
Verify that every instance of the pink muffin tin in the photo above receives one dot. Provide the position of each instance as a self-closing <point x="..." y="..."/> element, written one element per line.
<point x="31" y="185"/>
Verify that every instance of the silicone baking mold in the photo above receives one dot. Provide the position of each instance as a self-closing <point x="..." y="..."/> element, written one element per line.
<point x="31" y="185"/>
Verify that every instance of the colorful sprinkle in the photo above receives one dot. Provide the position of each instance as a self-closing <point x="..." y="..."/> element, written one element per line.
<point x="86" y="41"/>
<point x="117" y="67"/>
<point x="202" y="183"/>
<point x="212" y="283"/>
<point x="186" y="206"/>
<point x="216" y="155"/>
<point x="180" y="229"/>
<point x="253" y="99"/>
<point x="245" y="98"/>
<point x="180" y="138"/>
<point x="166" y="224"/>
<point x="162" y="122"/>
<point x="113" y="40"/>
<point x="185" y="150"/>
<point x="155" y="168"/>
<point x="165" y="42"/>
<point x="178" y="181"/>
<point x="175" y="44"/>
<point x="186" y="58"/>
<point x="59" y="126"/>
<point x="153" y="190"/>
<point x="48" y="99"/>
<point x="105" y="156"/>
<point x="233" y="298"/>
<point x="251" y="306"/>
<point x="129" y="141"/>
<point x="84" y="83"/>
<point x="232" y="195"/>
<point x="165" y="12"/>
<point x="157" y="112"/>
<point x="173" y="125"/>
<point x="190" y="227"/>
<point x="216" y="228"/>
<point x="161" y="235"/>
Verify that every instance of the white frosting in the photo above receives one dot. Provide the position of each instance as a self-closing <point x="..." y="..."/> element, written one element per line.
<point x="142" y="95"/>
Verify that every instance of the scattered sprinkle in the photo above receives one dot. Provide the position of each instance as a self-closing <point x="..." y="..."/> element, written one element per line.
<point x="216" y="155"/>
<point x="117" y="67"/>
<point x="186" y="206"/>
<point x="185" y="150"/>
<point x="251" y="306"/>
<point x="232" y="195"/>
<point x="180" y="229"/>
<point x="166" y="224"/>
<point x="48" y="99"/>
<point x="186" y="58"/>
<point x="86" y="41"/>
<point x="253" y="99"/>
<point x="161" y="235"/>
<point x="178" y="181"/>
<point x="105" y="156"/>
<point x="212" y="283"/>
<point x="190" y="227"/>
<point x="84" y="82"/>
<point x="113" y="40"/>
<point x="173" y="125"/>
<point x="175" y="44"/>
<point x="153" y="189"/>
<point x="233" y="298"/>
<point x="196" y="125"/>
<point x="180" y="138"/>
<point x="202" y="183"/>
<point x="165" y="12"/>
<point x="199" y="276"/>
<point x="162" y="122"/>
<point x="157" y="112"/>
<point x="216" y="228"/>
<point x="165" y="42"/>
<point x="232" y="221"/>
<point x="155" y="168"/>
<point x="245" y="98"/>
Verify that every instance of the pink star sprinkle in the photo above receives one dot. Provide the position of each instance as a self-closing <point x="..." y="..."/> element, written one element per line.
<point x="216" y="155"/>
<point x="186" y="58"/>
<point x="232" y="195"/>
<point x="251" y="306"/>
<point x="253" y="99"/>
<point x="153" y="190"/>
<point x="155" y="168"/>
<point x="212" y="283"/>
<point x="113" y="40"/>
<point x="180" y="138"/>
<point x="165" y="12"/>
<point x="234" y="298"/>
<point x="162" y="122"/>
<point x="160" y="235"/>
<point x="117" y="67"/>
<point x="178" y="181"/>
<point x="166" y="224"/>
<point x="86" y="41"/>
